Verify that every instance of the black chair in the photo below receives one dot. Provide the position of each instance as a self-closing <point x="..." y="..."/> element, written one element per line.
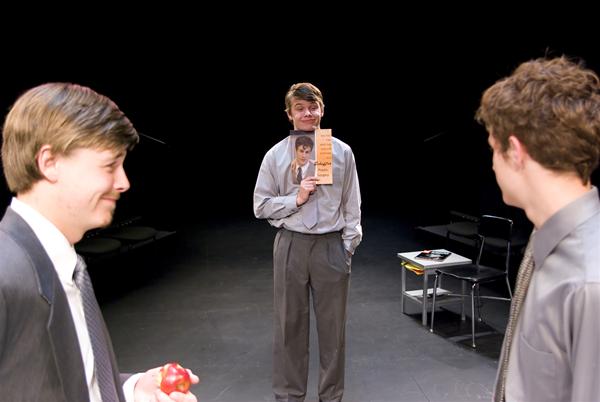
<point x="494" y="235"/>
<point x="95" y="246"/>
<point x="133" y="236"/>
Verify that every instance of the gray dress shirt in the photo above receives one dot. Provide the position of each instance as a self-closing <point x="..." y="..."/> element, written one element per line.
<point x="555" y="355"/>
<point x="338" y="203"/>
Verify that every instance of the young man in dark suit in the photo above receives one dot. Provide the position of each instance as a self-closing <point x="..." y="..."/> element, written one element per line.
<point x="62" y="152"/>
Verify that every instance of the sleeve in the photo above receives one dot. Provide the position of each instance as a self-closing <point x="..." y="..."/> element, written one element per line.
<point x="129" y="382"/>
<point x="3" y="323"/>
<point x="584" y="329"/>
<point x="352" y="232"/>
<point x="268" y="204"/>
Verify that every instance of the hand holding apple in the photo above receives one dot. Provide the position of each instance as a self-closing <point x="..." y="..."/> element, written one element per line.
<point x="172" y="377"/>
<point x="147" y="388"/>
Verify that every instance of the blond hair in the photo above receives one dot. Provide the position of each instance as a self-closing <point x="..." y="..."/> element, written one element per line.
<point x="66" y="117"/>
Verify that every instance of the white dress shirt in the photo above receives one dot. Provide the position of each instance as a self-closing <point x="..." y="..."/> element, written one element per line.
<point x="304" y="168"/>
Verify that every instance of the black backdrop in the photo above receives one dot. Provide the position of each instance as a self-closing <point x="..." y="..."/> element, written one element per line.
<point x="405" y="103"/>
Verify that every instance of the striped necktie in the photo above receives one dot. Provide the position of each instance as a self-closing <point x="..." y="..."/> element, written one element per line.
<point x="97" y="332"/>
<point x="522" y="284"/>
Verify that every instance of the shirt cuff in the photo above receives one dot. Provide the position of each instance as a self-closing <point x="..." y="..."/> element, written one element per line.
<point x="348" y="246"/>
<point x="129" y="386"/>
<point x="290" y="202"/>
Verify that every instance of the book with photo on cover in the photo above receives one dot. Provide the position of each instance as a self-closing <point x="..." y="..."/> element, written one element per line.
<point x="311" y="154"/>
<point x="433" y="255"/>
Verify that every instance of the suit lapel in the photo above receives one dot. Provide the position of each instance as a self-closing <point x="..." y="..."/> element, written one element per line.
<point x="60" y="326"/>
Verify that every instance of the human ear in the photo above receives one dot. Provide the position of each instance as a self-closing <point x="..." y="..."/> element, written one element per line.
<point x="516" y="151"/>
<point x="46" y="163"/>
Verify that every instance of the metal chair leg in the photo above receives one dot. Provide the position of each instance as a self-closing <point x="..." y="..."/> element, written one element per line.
<point x="473" y="315"/>
<point x="479" y="304"/>
<point x="435" y="286"/>
<point x="508" y="286"/>
<point x="463" y="292"/>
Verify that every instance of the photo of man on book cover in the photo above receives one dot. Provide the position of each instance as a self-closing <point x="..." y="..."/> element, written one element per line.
<point x="303" y="162"/>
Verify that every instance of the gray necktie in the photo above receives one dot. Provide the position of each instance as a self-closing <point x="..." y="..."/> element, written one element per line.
<point x="299" y="175"/>
<point x="97" y="333"/>
<point x="310" y="211"/>
<point x="522" y="284"/>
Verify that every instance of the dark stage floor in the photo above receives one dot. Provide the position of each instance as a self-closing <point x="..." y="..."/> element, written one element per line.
<point x="204" y="298"/>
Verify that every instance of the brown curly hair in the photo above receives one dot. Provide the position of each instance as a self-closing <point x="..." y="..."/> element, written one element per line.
<point x="553" y="107"/>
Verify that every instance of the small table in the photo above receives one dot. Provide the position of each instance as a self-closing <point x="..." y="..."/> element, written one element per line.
<point x="427" y="267"/>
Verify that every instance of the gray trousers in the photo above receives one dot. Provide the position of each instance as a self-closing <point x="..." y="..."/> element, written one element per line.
<point x="306" y="263"/>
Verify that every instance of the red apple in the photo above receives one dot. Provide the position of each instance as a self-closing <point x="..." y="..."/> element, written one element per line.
<point x="173" y="377"/>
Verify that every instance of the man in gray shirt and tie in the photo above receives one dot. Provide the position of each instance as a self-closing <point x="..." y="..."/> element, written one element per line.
<point x="544" y="130"/>
<point x="319" y="231"/>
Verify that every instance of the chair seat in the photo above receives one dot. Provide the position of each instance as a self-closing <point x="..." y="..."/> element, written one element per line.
<point x="472" y="273"/>
<point x="133" y="233"/>
<point x="97" y="246"/>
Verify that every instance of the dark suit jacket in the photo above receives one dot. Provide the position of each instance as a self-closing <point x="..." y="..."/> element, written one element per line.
<point x="40" y="358"/>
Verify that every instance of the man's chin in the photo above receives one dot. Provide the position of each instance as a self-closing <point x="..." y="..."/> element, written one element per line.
<point x="107" y="219"/>
<point x="509" y="201"/>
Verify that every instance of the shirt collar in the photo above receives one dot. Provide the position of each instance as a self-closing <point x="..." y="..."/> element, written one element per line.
<point x="563" y="222"/>
<point x="304" y="168"/>
<point x="61" y="252"/>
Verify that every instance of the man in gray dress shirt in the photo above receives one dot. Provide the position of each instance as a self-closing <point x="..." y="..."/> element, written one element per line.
<point x="544" y="129"/>
<point x="309" y="257"/>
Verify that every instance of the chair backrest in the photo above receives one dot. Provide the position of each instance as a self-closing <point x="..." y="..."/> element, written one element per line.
<point x="495" y="233"/>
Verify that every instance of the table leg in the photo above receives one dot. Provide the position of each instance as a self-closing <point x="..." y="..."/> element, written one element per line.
<point x="403" y="287"/>
<point x="425" y="302"/>
<point x="463" y="286"/>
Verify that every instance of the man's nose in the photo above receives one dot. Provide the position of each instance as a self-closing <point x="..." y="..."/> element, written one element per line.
<point x="121" y="181"/>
